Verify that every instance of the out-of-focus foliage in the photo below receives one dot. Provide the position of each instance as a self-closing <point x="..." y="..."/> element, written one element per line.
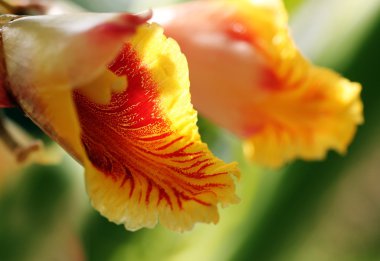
<point x="310" y="211"/>
<point x="330" y="31"/>
<point x="30" y="209"/>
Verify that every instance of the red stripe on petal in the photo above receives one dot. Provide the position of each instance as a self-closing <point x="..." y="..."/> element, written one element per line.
<point x="131" y="141"/>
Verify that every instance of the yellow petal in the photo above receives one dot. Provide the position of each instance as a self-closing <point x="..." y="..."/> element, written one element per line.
<point x="146" y="159"/>
<point x="100" y="90"/>
<point x="306" y="123"/>
<point x="247" y="75"/>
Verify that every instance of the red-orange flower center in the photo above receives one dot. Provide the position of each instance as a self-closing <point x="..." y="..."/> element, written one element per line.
<point x="129" y="137"/>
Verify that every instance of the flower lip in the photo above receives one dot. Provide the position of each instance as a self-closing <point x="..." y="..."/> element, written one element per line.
<point x="143" y="157"/>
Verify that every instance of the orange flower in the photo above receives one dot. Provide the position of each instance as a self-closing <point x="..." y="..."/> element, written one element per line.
<point x="114" y="92"/>
<point x="248" y="76"/>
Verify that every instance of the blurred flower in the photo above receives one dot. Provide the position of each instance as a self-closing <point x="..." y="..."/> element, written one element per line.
<point x="114" y="92"/>
<point x="247" y="76"/>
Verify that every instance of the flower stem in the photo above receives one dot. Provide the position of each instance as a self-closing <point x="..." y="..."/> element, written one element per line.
<point x="21" y="152"/>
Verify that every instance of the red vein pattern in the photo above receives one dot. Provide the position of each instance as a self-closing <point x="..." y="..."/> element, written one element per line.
<point x="133" y="145"/>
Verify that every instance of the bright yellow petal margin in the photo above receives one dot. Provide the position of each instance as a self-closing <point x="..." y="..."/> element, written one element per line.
<point x="308" y="110"/>
<point x="146" y="161"/>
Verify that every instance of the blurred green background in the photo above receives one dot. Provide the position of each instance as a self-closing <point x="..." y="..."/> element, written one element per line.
<point x="307" y="211"/>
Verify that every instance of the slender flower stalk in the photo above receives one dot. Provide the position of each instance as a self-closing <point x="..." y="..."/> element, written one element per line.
<point x="18" y="150"/>
<point x="13" y="145"/>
